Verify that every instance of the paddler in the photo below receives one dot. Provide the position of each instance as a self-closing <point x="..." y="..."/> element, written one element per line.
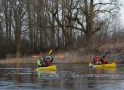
<point x="39" y="64"/>
<point x="103" y="60"/>
<point x="48" y="60"/>
<point x="96" y="60"/>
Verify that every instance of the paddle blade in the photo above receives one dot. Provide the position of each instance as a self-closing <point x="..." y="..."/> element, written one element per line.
<point x="61" y="56"/>
<point x="50" y="51"/>
<point x="105" y="54"/>
<point x="35" y="56"/>
<point x="90" y="65"/>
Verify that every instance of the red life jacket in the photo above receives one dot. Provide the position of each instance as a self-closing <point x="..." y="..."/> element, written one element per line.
<point x="48" y="62"/>
<point x="104" y="61"/>
<point x="96" y="59"/>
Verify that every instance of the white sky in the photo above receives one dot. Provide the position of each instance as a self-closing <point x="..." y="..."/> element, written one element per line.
<point x="122" y="16"/>
<point x="122" y="13"/>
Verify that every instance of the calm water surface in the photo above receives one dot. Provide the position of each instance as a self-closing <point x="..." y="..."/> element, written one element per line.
<point x="67" y="77"/>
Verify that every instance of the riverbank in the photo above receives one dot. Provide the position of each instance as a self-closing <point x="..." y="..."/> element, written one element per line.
<point x="81" y="56"/>
<point x="67" y="58"/>
<point x="73" y="58"/>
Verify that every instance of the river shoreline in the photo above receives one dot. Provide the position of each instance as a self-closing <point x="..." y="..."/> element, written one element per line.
<point x="72" y="58"/>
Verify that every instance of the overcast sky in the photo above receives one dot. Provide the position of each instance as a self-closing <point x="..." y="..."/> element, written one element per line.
<point x="122" y="16"/>
<point x="122" y="12"/>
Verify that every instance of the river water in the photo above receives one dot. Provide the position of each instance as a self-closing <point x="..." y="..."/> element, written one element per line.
<point x="67" y="77"/>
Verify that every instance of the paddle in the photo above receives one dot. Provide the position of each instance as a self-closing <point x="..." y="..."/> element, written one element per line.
<point x="39" y="56"/>
<point x="35" y="56"/>
<point x="105" y="54"/>
<point x="50" y="51"/>
<point x="59" y="56"/>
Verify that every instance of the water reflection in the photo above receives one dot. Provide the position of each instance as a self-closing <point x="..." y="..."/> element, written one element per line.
<point x="101" y="76"/>
<point x="98" y="71"/>
<point x="46" y="73"/>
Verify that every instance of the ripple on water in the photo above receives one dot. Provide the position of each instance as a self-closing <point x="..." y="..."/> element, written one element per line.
<point x="110" y="87"/>
<point x="73" y="74"/>
<point x="6" y="84"/>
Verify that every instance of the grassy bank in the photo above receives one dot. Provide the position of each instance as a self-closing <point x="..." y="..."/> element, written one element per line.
<point x="68" y="58"/>
<point x="80" y="56"/>
<point x="73" y="57"/>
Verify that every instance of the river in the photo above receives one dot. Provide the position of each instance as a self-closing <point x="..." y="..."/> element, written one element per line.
<point x="66" y="77"/>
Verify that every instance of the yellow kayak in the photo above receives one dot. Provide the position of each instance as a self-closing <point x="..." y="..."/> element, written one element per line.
<point x="49" y="68"/>
<point x="110" y="65"/>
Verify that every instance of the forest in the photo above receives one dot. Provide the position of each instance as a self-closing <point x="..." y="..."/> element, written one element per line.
<point x="34" y="26"/>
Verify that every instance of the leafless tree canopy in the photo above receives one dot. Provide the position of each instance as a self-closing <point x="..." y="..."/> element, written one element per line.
<point x="33" y="26"/>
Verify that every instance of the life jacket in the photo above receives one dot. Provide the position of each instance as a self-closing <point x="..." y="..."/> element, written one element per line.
<point x="96" y="59"/>
<point x="104" y="61"/>
<point x="48" y="62"/>
<point x="38" y="63"/>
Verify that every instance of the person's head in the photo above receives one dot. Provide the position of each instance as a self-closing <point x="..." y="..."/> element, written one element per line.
<point x="96" y="56"/>
<point x="103" y="57"/>
<point x="40" y="58"/>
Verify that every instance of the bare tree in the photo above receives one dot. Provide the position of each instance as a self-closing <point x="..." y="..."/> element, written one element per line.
<point x="18" y="18"/>
<point x="83" y="15"/>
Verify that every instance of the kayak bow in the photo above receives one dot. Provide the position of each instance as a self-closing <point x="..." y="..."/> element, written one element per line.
<point x="49" y="68"/>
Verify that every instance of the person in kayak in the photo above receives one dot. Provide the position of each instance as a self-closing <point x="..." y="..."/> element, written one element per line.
<point x="103" y="60"/>
<point x="41" y="62"/>
<point x="96" y="60"/>
<point x="48" y="60"/>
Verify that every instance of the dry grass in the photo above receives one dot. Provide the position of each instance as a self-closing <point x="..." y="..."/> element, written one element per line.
<point x="76" y="57"/>
<point x="68" y="58"/>
<point x="116" y="47"/>
<point x="10" y="59"/>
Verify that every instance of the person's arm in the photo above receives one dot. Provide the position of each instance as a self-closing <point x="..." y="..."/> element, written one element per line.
<point x="51" y="59"/>
<point x="39" y="63"/>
